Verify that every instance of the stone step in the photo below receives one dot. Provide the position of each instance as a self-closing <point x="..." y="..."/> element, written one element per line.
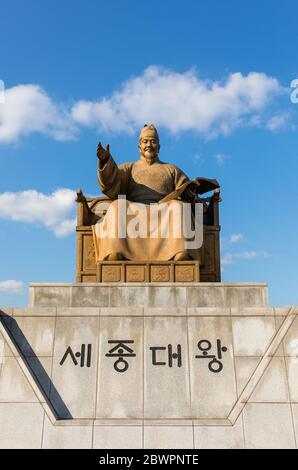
<point x="149" y="295"/>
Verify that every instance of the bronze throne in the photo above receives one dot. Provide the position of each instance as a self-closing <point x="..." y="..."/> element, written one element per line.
<point x="90" y="210"/>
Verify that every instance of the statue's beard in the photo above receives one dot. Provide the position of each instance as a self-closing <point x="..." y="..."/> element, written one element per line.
<point x="150" y="157"/>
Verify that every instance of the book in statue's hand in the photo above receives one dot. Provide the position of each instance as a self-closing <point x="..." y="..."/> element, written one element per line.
<point x="191" y="188"/>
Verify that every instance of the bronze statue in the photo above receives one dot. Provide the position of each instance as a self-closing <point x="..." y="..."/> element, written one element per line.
<point x="147" y="181"/>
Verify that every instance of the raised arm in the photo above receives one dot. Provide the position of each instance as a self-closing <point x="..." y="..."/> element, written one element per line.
<point x="113" y="180"/>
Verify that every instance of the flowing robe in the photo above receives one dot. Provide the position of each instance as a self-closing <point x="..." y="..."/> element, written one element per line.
<point x="143" y="185"/>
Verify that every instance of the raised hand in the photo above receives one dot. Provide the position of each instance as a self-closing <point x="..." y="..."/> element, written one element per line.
<point x="103" y="154"/>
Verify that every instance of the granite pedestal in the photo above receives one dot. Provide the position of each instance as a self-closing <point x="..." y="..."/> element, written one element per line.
<point x="195" y="365"/>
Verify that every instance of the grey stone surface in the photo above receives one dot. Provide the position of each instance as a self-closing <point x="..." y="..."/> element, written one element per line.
<point x="164" y="312"/>
<point x="90" y="296"/>
<point x="291" y="340"/>
<point x="220" y="295"/>
<point x="206" y="296"/>
<point x="167" y="296"/>
<point x="282" y="311"/>
<point x="278" y="324"/>
<point x="268" y="426"/>
<point x="213" y="394"/>
<point x="75" y="384"/>
<point x="208" y="311"/>
<point x="66" y="437"/>
<point x="5" y="351"/>
<point x="252" y="335"/>
<point x="120" y="394"/>
<point x="129" y="296"/>
<point x="149" y="406"/>
<point x="14" y="385"/>
<point x="167" y="388"/>
<point x="246" y="297"/>
<point x="168" y="437"/>
<point x="292" y="373"/>
<point x="31" y="312"/>
<point x="34" y="335"/>
<point x="78" y="311"/>
<point x="295" y="420"/>
<point x="50" y="296"/>
<point x="273" y="386"/>
<point x="121" y="311"/>
<point x="244" y="368"/>
<point x="252" y="311"/>
<point x="220" y="437"/>
<point x="21" y="425"/>
<point x="118" y="437"/>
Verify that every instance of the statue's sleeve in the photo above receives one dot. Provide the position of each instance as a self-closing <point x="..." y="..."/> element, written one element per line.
<point x="113" y="180"/>
<point x="180" y="179"/>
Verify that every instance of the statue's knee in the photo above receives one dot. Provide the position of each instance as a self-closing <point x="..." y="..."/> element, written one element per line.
<point x="115" y="256"/>
<point x="182" y="256"/>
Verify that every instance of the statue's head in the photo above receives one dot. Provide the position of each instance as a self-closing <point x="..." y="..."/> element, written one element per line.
<point x="149" y="143"/>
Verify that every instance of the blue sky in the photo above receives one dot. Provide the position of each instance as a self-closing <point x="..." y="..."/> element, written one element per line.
<point x="214" y="77"/>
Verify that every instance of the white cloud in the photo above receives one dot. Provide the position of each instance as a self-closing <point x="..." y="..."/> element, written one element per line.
<point x="236" y="237"/>
<point x="54" y="211"/>
<point x="174" y="101"/>
<point x="28" y="109"/>
<point x="226" y="261"/>
<point x="180" y="102"/>
<point x="65" y="227"/>
<point x="198" y="160"/>
<point x="221" y="158"/>
<point x="2" y="92"/>
<point x="11" y="287"/>
<point x="229" y="258"/>
<point x="278" y="121"/>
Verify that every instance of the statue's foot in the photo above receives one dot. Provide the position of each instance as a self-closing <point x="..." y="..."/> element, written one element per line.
<point x="182" y="256"/>
<point x="115" y="256"/>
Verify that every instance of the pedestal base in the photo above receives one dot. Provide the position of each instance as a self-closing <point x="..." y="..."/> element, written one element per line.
<point x="154" y="271"/>
<point x="152" y="366"/>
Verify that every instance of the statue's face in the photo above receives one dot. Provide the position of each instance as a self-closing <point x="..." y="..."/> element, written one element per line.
<point x="149" y="148"/>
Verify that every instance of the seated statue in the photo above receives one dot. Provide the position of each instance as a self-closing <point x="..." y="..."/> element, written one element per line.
<point x="139" y="187"/>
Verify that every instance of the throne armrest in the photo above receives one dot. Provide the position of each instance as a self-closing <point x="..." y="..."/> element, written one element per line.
<point x="211" y="212"/>
<point x="90" y="209"/>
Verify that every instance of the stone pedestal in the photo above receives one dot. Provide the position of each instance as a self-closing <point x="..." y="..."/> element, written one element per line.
<point x="148" y="271"/>
<point x="149" y="366"/>
<point x="148" y="295"/>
